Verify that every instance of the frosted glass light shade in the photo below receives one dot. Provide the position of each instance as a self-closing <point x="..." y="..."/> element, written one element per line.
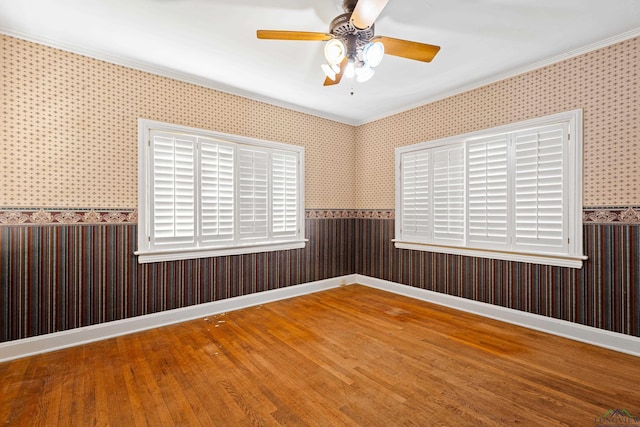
<point x="329" y="72"/>
<point x="364" y="74"/>
<point x="334" y="51"/>
<point x="373" y="53"/>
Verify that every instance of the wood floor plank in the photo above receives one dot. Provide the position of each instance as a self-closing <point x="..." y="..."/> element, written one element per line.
<point x="269" y="368"/>
<point x="348" y="356"/>
<point x="142" y="387"/>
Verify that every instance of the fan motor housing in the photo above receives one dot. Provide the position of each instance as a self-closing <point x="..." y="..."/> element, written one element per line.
<point x="341" y="27"/>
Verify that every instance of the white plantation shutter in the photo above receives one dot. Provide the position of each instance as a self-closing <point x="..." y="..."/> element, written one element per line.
<point x="448" y="184"/>
<point x="205" y="194"/>
<point x="487" y="191"/>
<point x="539" y="188"/>
<point x="415" y="195"/>
<point x="512" y="193"/>
<point x="284" y="204"/>
<point x="173" y="188"/>
<point x="253" y="182"/>
<point x="216" y="191"/>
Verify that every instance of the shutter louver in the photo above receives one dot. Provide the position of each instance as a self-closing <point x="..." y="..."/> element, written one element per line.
<point x="449" y="193"/>
<point x="217" y="191"/>
<point x="284" y="191"/>
<point x="487" y="188"/>
<point x="253" y="175"/>
<point x="173" y="200"/>
<point x="415" y="196"/>
<point x="539" y="188"/>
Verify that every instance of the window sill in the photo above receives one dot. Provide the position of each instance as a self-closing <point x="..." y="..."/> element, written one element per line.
<point x="546" y="259"/>
<point x="160" y="255"/>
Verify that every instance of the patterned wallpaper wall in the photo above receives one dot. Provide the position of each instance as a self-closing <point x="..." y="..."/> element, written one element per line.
<point x="68" y="126"/>
<point x="604" y="83"/>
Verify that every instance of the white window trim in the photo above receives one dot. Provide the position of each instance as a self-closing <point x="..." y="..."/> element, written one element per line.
<point x="147" y="255"/>
<point x="574" y="257"/>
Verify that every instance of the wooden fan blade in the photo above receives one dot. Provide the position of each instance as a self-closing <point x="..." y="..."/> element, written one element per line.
<point x="366" y="12"/>
<point x="329" y="82"/>
<point x="408" y="49"/>
<point x="293" y="35"/>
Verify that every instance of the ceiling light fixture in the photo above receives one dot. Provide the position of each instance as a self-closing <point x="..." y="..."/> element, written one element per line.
<point x="352" y="48"/>
<point x="352" y="51"/>
<point x="361" y="58"/>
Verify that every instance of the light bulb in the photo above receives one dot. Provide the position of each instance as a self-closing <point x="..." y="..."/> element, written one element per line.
<point x="350" y="71"/>
<point x="373" y="53"/>
<point x="334" y="51"/>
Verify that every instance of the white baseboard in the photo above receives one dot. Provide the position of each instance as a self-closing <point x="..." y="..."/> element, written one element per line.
<point x="50" y="342"/>
<point x="575" y="331"/>
<point x="45" y="343"/>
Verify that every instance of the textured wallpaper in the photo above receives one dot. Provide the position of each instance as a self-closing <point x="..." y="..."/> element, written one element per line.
<point x="68" y="126"/>
<point x="604" y="83"/>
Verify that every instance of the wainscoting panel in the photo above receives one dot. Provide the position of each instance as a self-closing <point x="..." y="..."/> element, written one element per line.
<point x="56" y="277"/>
<point x="59" y="277"/>
<point x="604" y="294"/>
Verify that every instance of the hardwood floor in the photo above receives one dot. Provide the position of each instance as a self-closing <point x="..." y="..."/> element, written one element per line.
<point x="347" y="356"/>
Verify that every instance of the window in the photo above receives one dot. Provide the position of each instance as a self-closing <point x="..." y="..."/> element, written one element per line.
<point x="204" y="194"/>
<point x="513" y="193"/>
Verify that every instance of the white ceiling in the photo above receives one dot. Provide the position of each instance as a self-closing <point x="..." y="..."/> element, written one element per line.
<point x="213" y="43"/>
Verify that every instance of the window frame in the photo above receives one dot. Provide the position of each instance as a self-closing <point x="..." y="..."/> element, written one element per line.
<point x="572" y="178"/>
<point x="147" y="253"/>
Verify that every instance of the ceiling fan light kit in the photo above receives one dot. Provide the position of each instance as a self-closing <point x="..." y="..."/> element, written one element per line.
<point x="351" y="48"/>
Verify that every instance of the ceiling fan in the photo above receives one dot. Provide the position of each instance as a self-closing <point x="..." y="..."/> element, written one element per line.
<point x="352" y="48"/>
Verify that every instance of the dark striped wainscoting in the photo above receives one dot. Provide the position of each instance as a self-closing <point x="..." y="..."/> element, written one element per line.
<point x="56" y="277"/>
<point x="59" y="277"/>
<point x="605" y="293"/>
